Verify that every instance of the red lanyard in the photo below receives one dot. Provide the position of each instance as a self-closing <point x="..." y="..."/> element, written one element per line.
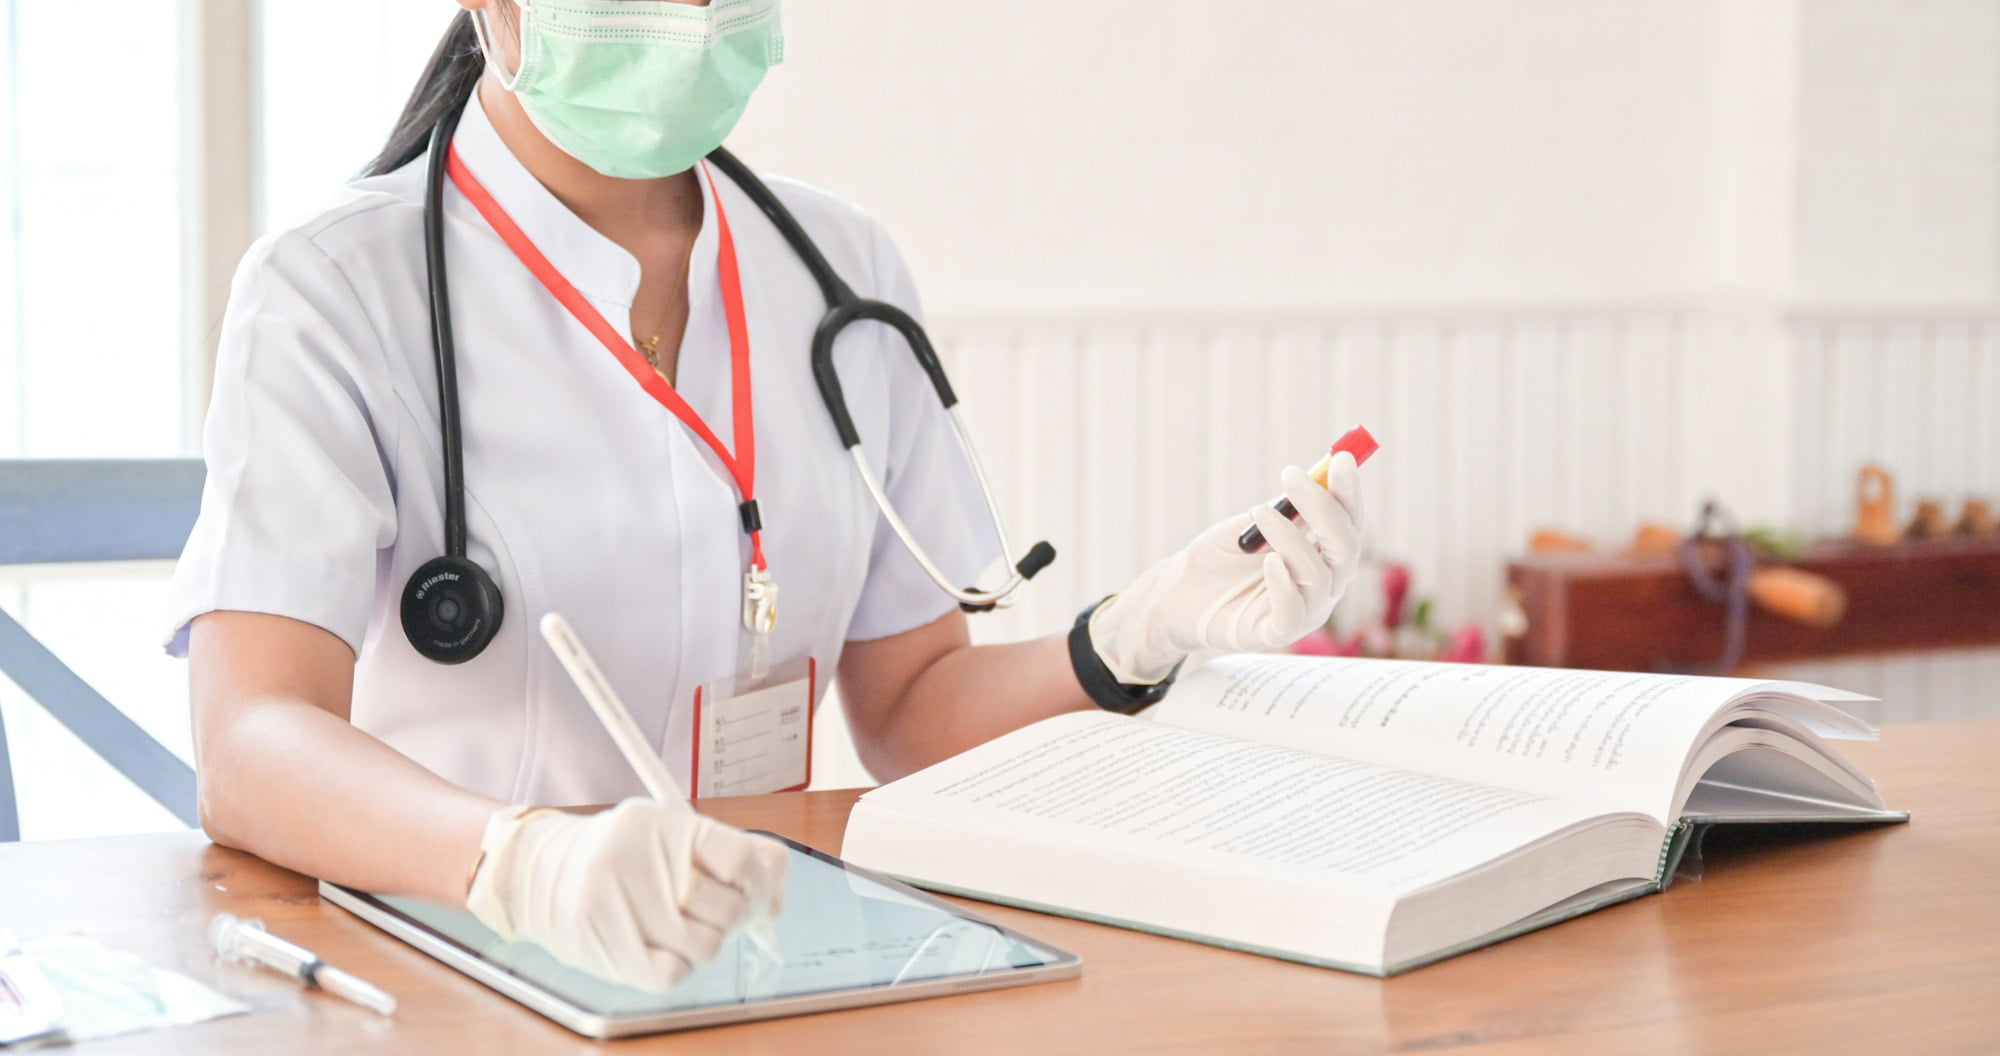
<point x="742" y="465"/>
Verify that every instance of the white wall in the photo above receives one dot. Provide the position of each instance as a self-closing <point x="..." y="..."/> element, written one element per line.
<point x="1139" y="155"/>
<point x="1580" y="262"/>
<point x="1145" y="155"/>
<point x="1899" y="131"/>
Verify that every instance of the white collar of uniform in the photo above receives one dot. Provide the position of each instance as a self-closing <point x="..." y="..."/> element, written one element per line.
<point x="594" y="264"/>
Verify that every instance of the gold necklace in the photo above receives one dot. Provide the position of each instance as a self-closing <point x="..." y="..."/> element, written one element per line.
<point x="650" y="346"/>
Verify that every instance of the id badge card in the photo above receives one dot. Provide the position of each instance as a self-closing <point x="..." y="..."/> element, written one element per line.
<point x="749" y="742"/>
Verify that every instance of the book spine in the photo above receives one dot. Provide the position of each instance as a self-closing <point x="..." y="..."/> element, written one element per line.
<point x="1671" y="850"/>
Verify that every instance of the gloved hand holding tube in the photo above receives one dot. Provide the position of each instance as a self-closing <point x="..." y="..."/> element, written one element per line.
<point x="1357" y="441"/>
<point x="1214" y="595"/>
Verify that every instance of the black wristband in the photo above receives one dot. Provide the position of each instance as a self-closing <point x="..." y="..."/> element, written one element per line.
<point x="1104" y="688"/>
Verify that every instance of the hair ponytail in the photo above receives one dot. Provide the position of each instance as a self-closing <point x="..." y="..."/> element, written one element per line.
<point x="445" y="87"/>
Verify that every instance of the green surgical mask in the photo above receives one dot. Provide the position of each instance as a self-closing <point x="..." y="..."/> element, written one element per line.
<point x="639" y="89"/>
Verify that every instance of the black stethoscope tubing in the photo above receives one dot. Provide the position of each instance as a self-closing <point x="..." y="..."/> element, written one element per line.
<point x="843" y="307"/>
<point x="452" y="608"/>
<point x="443" y="347"/>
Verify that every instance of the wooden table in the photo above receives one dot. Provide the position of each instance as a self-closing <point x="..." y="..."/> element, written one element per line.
<point x="1877" y="940"/>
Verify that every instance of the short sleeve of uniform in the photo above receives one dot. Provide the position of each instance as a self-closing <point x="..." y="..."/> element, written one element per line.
<point x="298" y="500"/>
<point x="929" y="481"/>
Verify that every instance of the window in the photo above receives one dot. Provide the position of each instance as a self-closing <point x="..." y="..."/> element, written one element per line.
<point x="91" y="360"/>
<point x="107" y="304"/>
<point x="90" y="247"/>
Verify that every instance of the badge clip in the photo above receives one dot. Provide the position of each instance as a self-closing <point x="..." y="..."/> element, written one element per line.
<point x="760" y="615"/>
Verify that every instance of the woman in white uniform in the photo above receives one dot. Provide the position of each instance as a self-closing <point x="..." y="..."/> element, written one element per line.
<point x="329" y="743"/>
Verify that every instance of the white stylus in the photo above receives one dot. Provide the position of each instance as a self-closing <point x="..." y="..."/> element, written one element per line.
<point x="596" y="689"/>
<point x="610" y="710"/>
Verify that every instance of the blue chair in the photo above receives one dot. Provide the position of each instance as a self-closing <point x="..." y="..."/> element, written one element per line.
<point x="71" y="511"/>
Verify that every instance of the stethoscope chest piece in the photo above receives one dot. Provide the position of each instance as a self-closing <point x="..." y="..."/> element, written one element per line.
<point x="451" y="609"/>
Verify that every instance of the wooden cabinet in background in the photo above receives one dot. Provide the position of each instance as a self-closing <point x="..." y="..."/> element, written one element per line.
<point x="1641" y="613"/>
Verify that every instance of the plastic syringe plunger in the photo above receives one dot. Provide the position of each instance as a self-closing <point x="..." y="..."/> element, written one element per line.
<point x="363" y="993"/>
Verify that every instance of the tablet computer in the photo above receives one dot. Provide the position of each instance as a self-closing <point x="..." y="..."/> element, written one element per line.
<point x="848" y="937"/>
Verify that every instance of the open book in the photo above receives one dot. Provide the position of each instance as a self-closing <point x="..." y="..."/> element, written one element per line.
<point x="1371" y="815"/>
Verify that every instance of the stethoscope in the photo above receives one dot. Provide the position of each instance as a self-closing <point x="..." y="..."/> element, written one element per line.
<point x="452" y="608"/>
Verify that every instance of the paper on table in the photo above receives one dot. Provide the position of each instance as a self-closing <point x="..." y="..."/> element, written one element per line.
<point x="29" y="1007"/>
<point x="106" y="992"/>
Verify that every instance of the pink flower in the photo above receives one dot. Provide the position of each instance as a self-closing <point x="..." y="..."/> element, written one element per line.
<point x="1318" y="643"/>
<point x="1468" y="646"/>
<point x="1395" y="591"/>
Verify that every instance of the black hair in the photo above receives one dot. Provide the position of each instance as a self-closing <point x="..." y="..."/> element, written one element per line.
<point x="445" y="87"/>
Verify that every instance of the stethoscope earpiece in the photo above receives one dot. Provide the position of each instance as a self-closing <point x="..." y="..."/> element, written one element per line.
<point x="451" y="610"/>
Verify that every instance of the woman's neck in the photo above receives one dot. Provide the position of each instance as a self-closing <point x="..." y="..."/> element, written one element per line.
<point x="633" y="213"/>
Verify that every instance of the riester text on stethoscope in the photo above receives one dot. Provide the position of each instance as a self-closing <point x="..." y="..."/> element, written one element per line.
<point x="545" y="357"/>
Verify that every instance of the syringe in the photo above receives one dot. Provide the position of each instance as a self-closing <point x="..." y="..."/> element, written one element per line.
<point x="246" y="940"/>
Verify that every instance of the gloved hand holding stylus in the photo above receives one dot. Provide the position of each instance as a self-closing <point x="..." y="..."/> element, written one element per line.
<point x="640" y="894"/>
<point x="1212" y="595"/>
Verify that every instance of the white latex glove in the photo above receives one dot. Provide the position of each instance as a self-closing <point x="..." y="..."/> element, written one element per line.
<point x="640" y="894"/>
<point x="1212" y="595"/>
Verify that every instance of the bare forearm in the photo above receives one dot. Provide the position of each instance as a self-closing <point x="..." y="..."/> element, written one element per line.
<point x="303" y="788"/>
<point x="968" y="696"/>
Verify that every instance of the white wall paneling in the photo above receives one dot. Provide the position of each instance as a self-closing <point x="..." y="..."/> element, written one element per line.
<point x="1916" y="392"/>
<point x="1118" y="439"/>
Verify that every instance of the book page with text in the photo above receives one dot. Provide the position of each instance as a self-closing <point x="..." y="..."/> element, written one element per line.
<point x="1144" y="789"/>
<point x="1614" y="738"/>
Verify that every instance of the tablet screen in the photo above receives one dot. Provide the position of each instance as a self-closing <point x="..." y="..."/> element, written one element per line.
<point x="841" y="930"/>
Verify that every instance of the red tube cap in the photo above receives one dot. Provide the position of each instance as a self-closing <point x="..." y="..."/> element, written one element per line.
<point x="1358" y="442"/>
